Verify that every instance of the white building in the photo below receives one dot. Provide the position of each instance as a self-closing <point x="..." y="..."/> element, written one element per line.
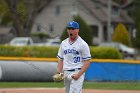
<point x="52" y="20"/>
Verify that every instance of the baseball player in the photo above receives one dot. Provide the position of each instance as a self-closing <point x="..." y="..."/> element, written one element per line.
<point x="74" y="56"/>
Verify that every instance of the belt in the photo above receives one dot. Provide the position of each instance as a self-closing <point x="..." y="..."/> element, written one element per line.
<point x="74" y="69"/>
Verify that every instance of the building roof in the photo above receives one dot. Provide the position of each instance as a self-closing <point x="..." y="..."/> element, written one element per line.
<point x="102" y="15"/>
<point x="128" y="3"/>
<point x="105" y="2"/>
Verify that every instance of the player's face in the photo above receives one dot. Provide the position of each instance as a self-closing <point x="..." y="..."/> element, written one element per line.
<point x="72" y="32"/>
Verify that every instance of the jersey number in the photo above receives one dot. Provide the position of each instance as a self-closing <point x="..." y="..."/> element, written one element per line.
<point x="76" y="59"/>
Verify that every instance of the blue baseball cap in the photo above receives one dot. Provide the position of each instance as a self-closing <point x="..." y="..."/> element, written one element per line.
<point x="72" y="24"/>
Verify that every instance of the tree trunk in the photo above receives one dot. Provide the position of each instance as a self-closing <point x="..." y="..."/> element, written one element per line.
<point x="14" y="15"/>
<point x="33" y="7"/>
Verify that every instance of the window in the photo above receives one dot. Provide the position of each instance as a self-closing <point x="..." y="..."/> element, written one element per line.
<point x="94" y="31"/>
<point x="51" y="27"/>
<point x="115" y="11"/>
<point x="97" y="4"/>
<point x="38" y="28"/>
<point x="57" y="10"/>
<point x="105" y="33"/>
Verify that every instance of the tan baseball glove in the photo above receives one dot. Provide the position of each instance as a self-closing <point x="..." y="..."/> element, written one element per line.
<point x="58" y="77"/>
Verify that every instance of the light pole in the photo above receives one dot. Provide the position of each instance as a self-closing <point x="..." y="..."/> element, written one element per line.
<point x="109" y="21"/>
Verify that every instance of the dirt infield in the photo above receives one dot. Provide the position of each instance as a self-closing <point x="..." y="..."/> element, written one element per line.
<point x="59" y="90"/>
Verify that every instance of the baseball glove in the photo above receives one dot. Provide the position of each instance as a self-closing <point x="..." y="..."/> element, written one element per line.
<point x="58" y="77"/>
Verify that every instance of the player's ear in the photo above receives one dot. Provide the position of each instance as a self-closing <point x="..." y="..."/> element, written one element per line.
<point x="67" y="31"/>
<point x="77" y="30"/>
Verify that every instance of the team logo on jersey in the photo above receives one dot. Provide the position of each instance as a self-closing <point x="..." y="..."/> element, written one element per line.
<point x="73" y="51"/>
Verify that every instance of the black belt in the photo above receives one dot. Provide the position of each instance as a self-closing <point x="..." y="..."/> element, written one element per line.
<point x="74" y="69"/>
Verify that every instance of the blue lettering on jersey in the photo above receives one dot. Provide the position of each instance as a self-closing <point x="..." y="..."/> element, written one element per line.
<point x="68" y="51"/>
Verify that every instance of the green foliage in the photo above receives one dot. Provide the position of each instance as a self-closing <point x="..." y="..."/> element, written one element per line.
<point x="3" y="8"/>
<point x="121" y="35"/>
<point x="4" y="11"/>
<point x="117" y="1"/>
<point x="21" y="14"/>
<point x="84" y="32"/>
<point x="7" y="51"/>
<point x="105" y="53"/>
<point x="34" y="51"/>
<point x="64" y="35"/>
<point x="51" y="52"/>
<point x="6" y="19"/>
<point x="136" y="41"/>
<point x="46" y="52"/>
<point x="21" y="9"/>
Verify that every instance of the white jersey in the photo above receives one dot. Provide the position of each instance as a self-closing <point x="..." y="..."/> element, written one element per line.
<point x="73" y="54"/>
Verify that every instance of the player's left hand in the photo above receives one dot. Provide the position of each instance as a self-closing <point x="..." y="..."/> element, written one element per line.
<point x="58" y="77"/>
<point x="75" y="76"/>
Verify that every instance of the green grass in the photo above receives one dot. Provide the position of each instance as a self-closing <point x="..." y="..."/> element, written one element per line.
<point x="87" y="85"/>
<point x="30" y="84"/>
<point x="113" y="85"/>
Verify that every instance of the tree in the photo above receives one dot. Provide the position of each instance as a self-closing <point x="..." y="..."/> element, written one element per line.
<point x="117" y="1"/>
<point x="136" y="40"/>
<point x="22" y="14"/>
<point x="121" y="35"/>
<point x="85" y="31"/>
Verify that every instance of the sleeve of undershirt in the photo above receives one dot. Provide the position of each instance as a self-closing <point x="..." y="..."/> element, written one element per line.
<point x="60" y="53"/>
